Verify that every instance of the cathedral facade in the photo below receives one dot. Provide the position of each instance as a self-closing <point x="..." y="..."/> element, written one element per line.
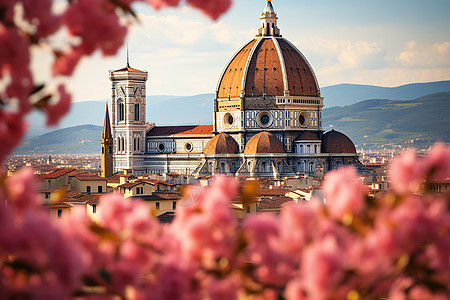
<point x="267" y="119"/>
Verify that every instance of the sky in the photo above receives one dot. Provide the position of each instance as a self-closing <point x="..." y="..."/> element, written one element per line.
<point x="385" y="43"/>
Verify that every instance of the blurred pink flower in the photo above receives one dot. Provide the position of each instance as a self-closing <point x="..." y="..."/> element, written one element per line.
<point x="12" y="130"/>
<point x="157" y="4"/>
<point x="406" y="172"/>
<point x="437" y="162"/>
<point x="115" y="210"/>
<point x="14" y="62"/>
<point x="22" y="192"/>
<point x="205" y="231"/>
<point x="322" y="270"/>
<point x="40" y="12"/>
<point x="212" y="8"/>
<point x="65" y="63"/>
<point x="56" y="111"/>
<point x="344" y="191"/>
<point x="97" y="24"/>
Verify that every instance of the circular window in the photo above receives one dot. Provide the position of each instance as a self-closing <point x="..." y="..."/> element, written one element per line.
<point x="264" y="119"/>
<point x="161" y="147"/>
<point x="188" y="147"/>
<point x="304" y="119"/>
<point x="228" y="120"/>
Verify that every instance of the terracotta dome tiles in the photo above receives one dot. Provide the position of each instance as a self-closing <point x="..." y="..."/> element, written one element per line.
<point x="264" y="142"/>
<point x="301" y="80"/>
<point x="232" y="77"/>
<point x="336" y="142"/>
<point x="265" y="75"/>
<point x="221" y="144"/>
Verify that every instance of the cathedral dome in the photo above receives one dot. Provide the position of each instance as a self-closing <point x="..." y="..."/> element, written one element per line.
<point x="336" y="142"/>
<point x="264" y="142"/>
<point x="221" y="144"/>
<point x="268" y="65"/>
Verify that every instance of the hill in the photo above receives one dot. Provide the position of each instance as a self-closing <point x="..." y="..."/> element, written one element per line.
<point x="380" y="122"/>
<point x="83" y="139"/>
<point x="346" y="94"/>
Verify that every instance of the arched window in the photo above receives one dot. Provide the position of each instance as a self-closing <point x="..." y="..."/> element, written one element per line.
<point x="311" y="167"/>
<point x="222" y="167"/>
<point x="301" y="149"/>
<point x="123" y="144"/>
<point x="315" y="148"/>
<point x="338" y="164"/>
<point x="136" y="112"/>
<point x="118" y="145"/>
<point x="308" y="149"/>
<point x="121" y="111"/>
<point x="263" y="167"/>
<point x="134" y="144"/>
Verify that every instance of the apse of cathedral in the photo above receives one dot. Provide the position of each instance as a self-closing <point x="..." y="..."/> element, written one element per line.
<point x="267" y="119"/>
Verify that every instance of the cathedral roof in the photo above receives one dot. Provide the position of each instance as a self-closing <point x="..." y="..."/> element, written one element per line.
<point x="221" y="144"/>
<point x="307" y="136"/>
<point x="264" y="142"/>
<point x="268" y="65"/>
<point x="129" y="69"/>
<point x="336" y="142"/>
<point x="181" y="130"/>
<point x="106" y="133"/>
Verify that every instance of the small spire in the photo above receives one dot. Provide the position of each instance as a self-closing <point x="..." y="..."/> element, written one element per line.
<point x="106" y="133"/>
<point x="128" y="58"/>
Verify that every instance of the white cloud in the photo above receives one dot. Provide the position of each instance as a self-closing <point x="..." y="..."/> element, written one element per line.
<point x="420" y="55"/>
<point x="362" y="55"/>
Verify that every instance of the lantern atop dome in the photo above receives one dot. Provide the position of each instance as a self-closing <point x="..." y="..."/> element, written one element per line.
<point x="268" y="21"/>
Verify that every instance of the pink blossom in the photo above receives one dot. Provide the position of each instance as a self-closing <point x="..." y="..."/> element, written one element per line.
<point x="406" y="172"/>
<point x="14" y="61"/>
<point x="295" y="290"/>
<point x="222" y="289"/>
<point x="343" y="191"/>
<point x="40" y="12"/>
<point x="114" y="211"/>
<point x="211" y="8"/>
<point x="157" y="4"/>
<point x="205" y="231"/>
<point x="97" y="24"/>
<point x="264" y="249"/>
<point x="298" y="226"/>
<point x="56" y="111"/>
<point x="65" y="63"/>
<point x="437" y="162"/>
<point x="22" y="193"/>
<point x="323" y="265"/>
<point x="12" y="130"/>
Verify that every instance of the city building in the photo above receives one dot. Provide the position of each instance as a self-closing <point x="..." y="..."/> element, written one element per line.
<point x="267" y="119"/>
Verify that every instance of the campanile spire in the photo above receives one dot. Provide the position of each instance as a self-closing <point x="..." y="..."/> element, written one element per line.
<point x="268" y="21"/>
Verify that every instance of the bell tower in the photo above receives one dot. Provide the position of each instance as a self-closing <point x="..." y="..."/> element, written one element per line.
<point x="128" y="100"/>
<point x="107" y="147"/>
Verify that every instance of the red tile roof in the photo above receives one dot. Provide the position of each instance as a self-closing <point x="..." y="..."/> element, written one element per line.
<point x="275" y="203"/>
<point x="58" y="205"/>
<point x="181" y="130"/>
<point x="129" y="69"/>
<point x="272" y="192"/>
<point x="89" y="177"/>
<point x="55" y="173"/>
<point x="130" y="184"/>
<point x="154" y="181"/>
<point x="160" y="196"/>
